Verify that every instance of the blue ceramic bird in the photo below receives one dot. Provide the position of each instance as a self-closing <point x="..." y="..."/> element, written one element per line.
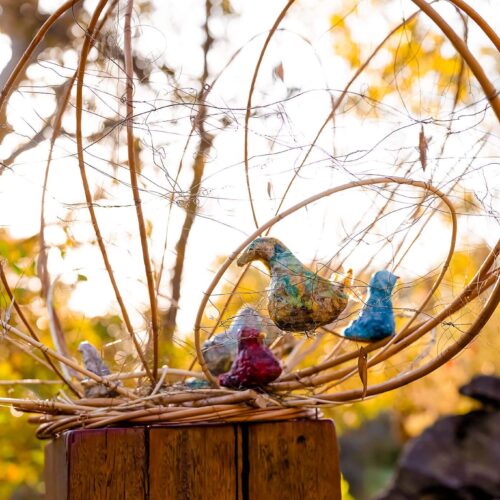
<point x="196" y="383"/>
<point x="220" y="351"/>
<point x="376" y="320"/>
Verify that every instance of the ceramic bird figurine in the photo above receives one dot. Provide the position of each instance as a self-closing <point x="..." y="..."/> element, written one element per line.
<point x="93" y="363"/>
<point x="376" y="320"/>
<point x="298" y="299"/>
<point x="255" y="364"/>
<point x="196" y="383"/>
<point x="220" y="350"/>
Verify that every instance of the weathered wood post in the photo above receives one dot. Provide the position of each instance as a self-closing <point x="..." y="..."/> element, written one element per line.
<point x="292" y="460"/>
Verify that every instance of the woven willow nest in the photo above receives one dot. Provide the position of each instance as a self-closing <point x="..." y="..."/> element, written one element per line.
<point x="160" y="395"/>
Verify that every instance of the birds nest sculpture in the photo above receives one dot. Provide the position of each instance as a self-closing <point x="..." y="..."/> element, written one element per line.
<point x="255" y="369"/>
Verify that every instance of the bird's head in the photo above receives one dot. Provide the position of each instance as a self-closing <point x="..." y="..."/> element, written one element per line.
<point x="383" y="281"/>
<point x="247" y="316"/>
<point x="251" y="335"/>
<point x="88" y="350"/>
<point x="262" y="249"/>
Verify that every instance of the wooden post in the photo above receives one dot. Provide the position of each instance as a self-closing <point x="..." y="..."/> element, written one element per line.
<point x="293" y="460"/>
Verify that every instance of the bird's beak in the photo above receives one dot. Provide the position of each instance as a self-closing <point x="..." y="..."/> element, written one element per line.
<point x="262" y="335"/>
<point x="247" y="256"/>
<point x="242" y="259"/>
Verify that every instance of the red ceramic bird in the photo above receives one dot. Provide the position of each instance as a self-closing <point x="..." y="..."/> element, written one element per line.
<point x="254" y="365"/>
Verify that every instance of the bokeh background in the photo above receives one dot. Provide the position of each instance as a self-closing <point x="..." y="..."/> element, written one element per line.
<point x="414" y="111"/>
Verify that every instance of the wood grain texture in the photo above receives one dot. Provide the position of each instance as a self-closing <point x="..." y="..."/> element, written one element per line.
<point x="108" y="464"/>
<point x="238" y="458"/>
<point x="193" y="463"/>
<point x="56" y="470"/>
<point x="293" y="461"/>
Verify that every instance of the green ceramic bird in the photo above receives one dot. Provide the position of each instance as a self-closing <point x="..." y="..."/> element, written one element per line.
<point x="298" y="299"/>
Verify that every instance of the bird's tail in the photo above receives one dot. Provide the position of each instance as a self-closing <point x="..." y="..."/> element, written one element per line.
<point x="346" y="283"/>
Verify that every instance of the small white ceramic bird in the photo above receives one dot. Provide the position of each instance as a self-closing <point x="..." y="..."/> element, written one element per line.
<point x="221" y="350"/>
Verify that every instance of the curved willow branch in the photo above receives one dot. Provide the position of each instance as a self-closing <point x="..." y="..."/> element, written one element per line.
<point x="341" y="375"/>
<point x="6" y="91"/>
<point x="434" y="364"/>
<point x="89" y="35"/>
<point x="336" y="105"/>
<point x="478" y="71"/>
<point x="477" y="285"/>
<point x="249" y="102"/>
<point x="129" y="71"/>
<point x="479" y="20"/>
<point x="286" y="213"/>
<point x="32" y="333"/>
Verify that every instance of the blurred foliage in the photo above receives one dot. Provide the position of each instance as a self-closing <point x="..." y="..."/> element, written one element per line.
<point x="418" y="405"/>
<point x="414" y="407"/>
<point x="412" y="54"/>
<point x="421" y="403"/>
<point x="366" y="460"/>
<point x="344" y="487"/>
<point x="21" y="459"/>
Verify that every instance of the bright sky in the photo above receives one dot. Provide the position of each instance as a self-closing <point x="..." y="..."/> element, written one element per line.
<point x="361" y="146"/>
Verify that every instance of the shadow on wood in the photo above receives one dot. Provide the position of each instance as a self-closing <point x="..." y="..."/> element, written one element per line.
<point x="293" y="460"/>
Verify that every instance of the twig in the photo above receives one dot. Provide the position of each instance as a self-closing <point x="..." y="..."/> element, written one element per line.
<point x="31" y="381"/>
<point x="89" y="36"/>
<point x="478" y="71"/>
<point x="204" y="146"/>
<point x="66" y="361"/>
<point x="21" y="347"/>
<point x="26" y="323"/>
<point x="129" y="71"/>
<point x="286" y="213"/>
<point x="164" y="371"/>
<point x="280" y="18"/>
<point x="479" y="20"/>
<point x="339" y="101"/>
<point x="56" y="329"/>
<point x="6" y="91"/>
